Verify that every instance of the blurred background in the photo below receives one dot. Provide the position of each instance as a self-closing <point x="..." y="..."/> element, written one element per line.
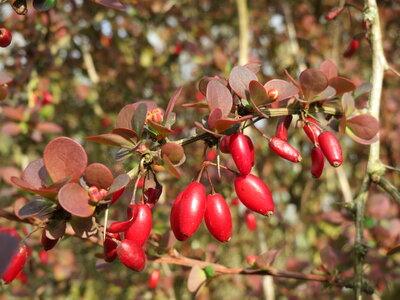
<point x="75" y="66"/>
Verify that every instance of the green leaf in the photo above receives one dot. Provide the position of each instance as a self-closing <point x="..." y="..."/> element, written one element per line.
<point x="210" y="271"/>
<point x="369" y="222"/>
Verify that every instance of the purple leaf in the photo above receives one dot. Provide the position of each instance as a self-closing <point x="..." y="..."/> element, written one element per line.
<point x="75" y="199"/>
<point x="285" y="89"/>
<point x="364" y="126"/>
<point x="114" y="4"/>
<point x="111" y="139"/>
<point x="218" y="96"/>
<point x="214" y="116"/>
<point x="98" y="175"/>
<point x="329" y="68"/>
<point x="312" y="83"/>
<point x="342" y="85"/>
<point x="223" y="124"/>
<point x="239" y="80"/>
<point x="35" y="174"/>
<point x="258" y="93"/>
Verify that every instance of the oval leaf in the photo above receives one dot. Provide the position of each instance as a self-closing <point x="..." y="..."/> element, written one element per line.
<point x="119" y="183"/>
<point x="197" y="277"/>
<point x="162" y="130"/>
<point x="205" y="80"/>
<point x="55" y="229"/>
<point x="348" y="104"/>
<point x="218" y="96"/>
<point x="171" y="105"/>
<point x="329" y="68"/>
<point x="223" y="124"/>
<point x="312" y="82"/>
<point x="83" y="227"/>
<point x="111" y="139"/>
<point x="63" y="157"/>
<point x="35" y="174"/>
<point x="126" y="133"/>
<point x="114" y="4"/>
<point x="342" y="85"/>
<point x="75" y="199"/>
<point x="285" y="89"/>
<point x="174" y="152"/>
<point x="364" y="126"/>
<point x="139" y="118"/>
<point x="253" y="66"/>
<point x="239" y="80"/>
<point x="170" y="167"/>
<point x="47" y="193"/>
<point x="98" y="175"/>
<point x="201" y="127"/>
<point x="257" y="92"/>
<point x="214" y="116"/>
<point x="33" y="208"/>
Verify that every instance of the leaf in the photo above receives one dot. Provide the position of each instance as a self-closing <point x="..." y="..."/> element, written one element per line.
<point x="48" y="127"/>
<point x="83" y="227"/>
<point x="75" y="199"/>
<point x="11" y="129"/>
<point x="268" y="258"/>
<point x="223" y="124"/>
<point x="218" y="96"/>
<point x="364" y="126"/>
<point x="363" y="88"/>
<point x="9" y="246"/>
<point x="312" y="82"/>
<point x="34" y="207"/>
<point x="205" y="80"/>
<point x="152" y="189"/>
<point x="43" y="5"/>
<point x="139" y="118"/>
<point x="47" y="193"/>
<point x="98" y="175"/>
<point x="125" y="116"/>
<point x="329" y="258"/>
<point x="360" y="140"/>
<point x="111" y="139"/>
<point x="170" y="167"/>
<point x="253" y="66"/>
<point x="35" y="174"/>
<point x="14" y="113"/>
<point x="348" y="104"/>
<point x="285" y="89"/>
<point x="326" y="94"/>
<point x="114" y="4"/>
<point x="329" y="68"/>
<point x="292" y="80"/>
<point x="171" y="105"/>
<point x="120" y="182"/>
<point x="258" y="93"/>
<point x="214" y="116"/>
<point x="162" y="130"/>
<point x="239" y="80"/>
<point x="210" y="271"/>
<point x="126" y="133"/>
<point x="196" y="278"/>
<point x="200" y="104"/>
<point x="64" y="157"/>
<point x="200" y="126"/>
<point x="342" y="85"/>
<point x="173" y="151"/>
<point x="55" y="229"/>
<point x="393" y="251"/>
<point x="4" y="78"/>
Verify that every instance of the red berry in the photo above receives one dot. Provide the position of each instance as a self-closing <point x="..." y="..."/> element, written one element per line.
<point x="117" y="195"/>
<point x="311" y="128"/>
<point x="16" y="264"/>
<point x="235" y="202"/>
<point x="318" y="161"/>
<point x="251" y="259"/>
<point x="44" y="257"/>
<point x="283" y="127"/>
<point x="242" y="151"/>
<point x="218" y="218"/>
<point x="140" y="228"/>
<point x="251" y="221"/>
<point x="333" y="14"/>
<point x="211" y="155"/>
<point x="117" y="227"/>
<point x="154" y="279"/>
<point x="284" y="150"/>
<point x="254" y="194"/>
<point x="174" y="218"/>
<point x="47" y="242"/>
<point x="192" y="208"/>
<point x="131" y="255"/>
<point x="5" y="37"/>
<point x="351" y="49"/>
<point x="331" y="148"/>
<point x="224" y="144"/>
<point x="110" y="247"/>
<point x="273" y="94"/>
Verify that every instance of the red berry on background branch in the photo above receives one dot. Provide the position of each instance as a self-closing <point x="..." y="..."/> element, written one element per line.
<point x="5" y="37"/>
<point x="331" y="148"/>
<point x="218" y="218"/>
<point x="284" y="150"/>
<point x="17" y="263"/>
<point x="154" y="278"/>
<point x="251" y="221"/>
<point x="311" y="128"/>
<point x="131" y="255"/>
<point x="351" y="49"/>
<point x="318" y="161"/>
<point x="254" y="194"/>
<point x="283" y="127"/>
<point x="242" y="151"/>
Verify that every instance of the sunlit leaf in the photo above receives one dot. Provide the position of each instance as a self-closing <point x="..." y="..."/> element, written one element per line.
<point x="312" y="82"/>
<point x="171" y="105"/>
<point x="196" y="278"/>
<point x="253" y="66"/>
<point x="285" y="89"/>
<point x="342" y="85"/>
<point x="239" y="80"/>
<point x="173" y="151"/>
<point x="348" y="104"/>
<point x="111" y="139"/>
<point x="162" y="130"/>
<point x="205" y="80"/>
<point x="363" y="88"/>
<point x="364" y="126"/>
<point x="214" y="116"/>
<point x="223" y="124"/>
<point x="75" y="199"/>
<point x="47" y="193"/>
<point x="98" y="175"/>
<point x="218" y="96"/>
<point x="360" y="140"/>
<point x="126" y="133"/>
<point x="257" y="92"/>
<point x="329" y="68"/>
<point x="35" y="174"/>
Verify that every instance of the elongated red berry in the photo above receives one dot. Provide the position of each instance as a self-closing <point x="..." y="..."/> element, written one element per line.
<point x="192" y="208"/>
<point x="283" y="127"/>
<point x="254" y="194"/>
<point x="351" y="49"/>
<point x="218" y="218"/>
<point x="47" y="242"/>
<point x="140" y="228"/>
<point x="224" y="144"/>
<point x="154" y="278"/>
<point x="318" y="161"/>
<point x="16" y="264"/>
<point x="284" y="149"/>
<point x="131" y="255"/>
<point x="174" y="218"/>
<point x="110" y="247"/>
<point x="251" y="221"/>
<point x="117" y="227"/>
<point x="242" y="151"/>
<point x="5" y="37"/>
<point x="311" y="128"/>
<point x="331" y="148"/>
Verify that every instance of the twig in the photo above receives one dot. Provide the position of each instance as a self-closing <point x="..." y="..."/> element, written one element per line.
<point x="389" y="188"/>
<point x="243" y="31"/>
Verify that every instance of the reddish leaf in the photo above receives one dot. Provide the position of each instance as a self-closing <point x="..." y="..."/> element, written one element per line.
<point x="162" y="130"/>
<point x="120" y="182"/>
<point x="111" y="139"/>
<point x="267" y="259"/>
<point x="285" y="89"/>
<point x="253" y="66"/>
<point x="126" y="133"/>
<point x="63" y="157"/>
<point x="83" y="227"/>
<point x="114" y="4"/>
<point x="48" y="127"/>
<point x="325" y="95"/>
<point x="342" y="85"/>
<point x="14" y="113"/>
<point x="200" y="104"/>
<point x="11" y="129"/>
<point x="329" y="68"/>
<point x="223" y="124"/>
<point x="200" y="126"/>
<point x="362" y="89"/>
<point x="139" y="119"/>
<point x="196" y="278"/>
<point x="204" y="82"/>
<point x="329" y="258"/>
<point x="312" y="83"/>
<point x="348" y="104"/>
<point x="171" y="104"/>
<point x="47" y="193"/>
<point x="125" y="115"/>
<point x="218" y="96"/>
<point x="239" y="80"/>
<point x="35" y="174"/>
<point x="364" y="126"/>
<point x="7" y="172"/>
<point x="258" y="93"/>
<point x="98" y="175"/>
<point x="292" y="80"/>
<point x="55" y="229"/>
<point x="360" y="140"/>
<point x="4" y="78"/>
<point x="173" y="151"/>
<point x="214" y="116"/>
<point x="170" y="167"/>
<point x="75" y="199"/>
